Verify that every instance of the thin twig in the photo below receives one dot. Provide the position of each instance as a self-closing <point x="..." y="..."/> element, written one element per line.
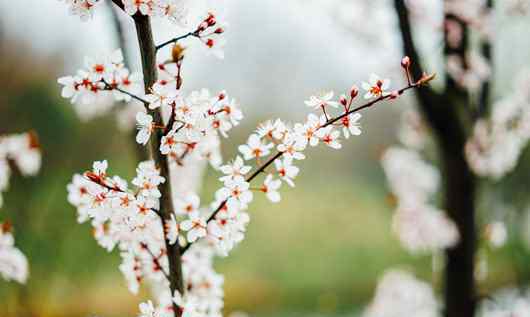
<point x="176" y="39"/>
<point x="155" y="259"/>
<point x="111" y="87"/>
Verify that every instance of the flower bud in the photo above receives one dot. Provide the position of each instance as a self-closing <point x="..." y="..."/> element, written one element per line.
<point x="343" y="100"/>
<point x="405" y="62"/>
<point x="354" y="91"/>
<point x="202" y="26"/>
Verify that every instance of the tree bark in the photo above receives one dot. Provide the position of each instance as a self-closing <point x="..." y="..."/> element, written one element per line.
<point x="148" y="55"/>
<point x="444" y="113"/>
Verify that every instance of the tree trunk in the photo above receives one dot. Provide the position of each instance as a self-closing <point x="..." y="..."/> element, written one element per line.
<point x="446" y="114"/>
<point x="459" y="191"/>
<point x="148" y="54"/>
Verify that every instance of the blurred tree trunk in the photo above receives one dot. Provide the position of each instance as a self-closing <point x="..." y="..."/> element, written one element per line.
<point x="449" y="115"/>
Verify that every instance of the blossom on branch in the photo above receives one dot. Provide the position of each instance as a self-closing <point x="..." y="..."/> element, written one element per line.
<point x="376" y="87"/>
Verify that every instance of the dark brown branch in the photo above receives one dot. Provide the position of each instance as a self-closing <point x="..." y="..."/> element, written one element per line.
<point x="148" y="54"/>
<point x="119" y="3"/>
<point x="111" y="87"/>
<point x="176" y="39"/>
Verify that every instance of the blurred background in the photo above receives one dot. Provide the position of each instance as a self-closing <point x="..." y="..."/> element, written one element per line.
<point x="322" y="249"/>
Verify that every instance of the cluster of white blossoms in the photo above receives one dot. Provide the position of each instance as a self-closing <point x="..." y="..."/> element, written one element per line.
<point x="470" y="75"/>
<point x="23" y="151"/>
<point x="399" y="294"/>
<point x="195" y="122"/>
<point x="127" y="219"/>
<point x="13" y="263"/>
<point x="130" y="218"/>
<point x="420" y="226"/>
<point x="103" y="79"/>
<point x="187" y="128"/>
<point x="497" y="143"/>
<point x="174" y="10"/>
<point x="472" y="70"/>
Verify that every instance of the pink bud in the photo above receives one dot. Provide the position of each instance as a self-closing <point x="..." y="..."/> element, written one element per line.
<point x="202" y="26"/>
<point x="394" y="94"/>
<point x="343" y="100"/>
<point x="219" y="31"/>
<point x="354" y="91"/>
<point x="405" y="62"/>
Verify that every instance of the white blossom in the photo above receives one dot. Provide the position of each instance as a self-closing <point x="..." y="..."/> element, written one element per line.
<point x="322" y="100"/>
<point x="270" y="188"/>
<point x="376" y="87"/>
<point x="145" y="126"/>
<point x="400" y="294"/>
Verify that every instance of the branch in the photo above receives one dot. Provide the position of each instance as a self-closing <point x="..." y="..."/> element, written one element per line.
<point x="110" y="87"/>
<point x="148" y="55"/>
<point x="279" y="154"/>
<point x="119" y="3"/>
<point x="176" y="39"/>
<point x="438" y="109"/>
<point x="409" y="46"/>
<point x="155" y="260"/>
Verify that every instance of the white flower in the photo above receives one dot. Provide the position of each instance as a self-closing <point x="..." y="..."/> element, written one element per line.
<point x="350" y="125"/>
<point x="235" y="171"/>
<point x="82" y="8"/>
<point x="322" y="100"/>
<point x="236" y="192"/>
<point x="163" y="93"/>
<point x="169" y="142"/>
<point x="270" y="188"/>
<point x="215" y="46"/>
<point x="329" y="136"/>
<point x="306" y="133"/>
<point x="400" y="294"/>
<point x="133" y="6"/>
<point x="100" y="168"/>
<point x="172" y="230"/>
<point x="148" y="310"/>
<point x="286" y="170"/>
<point x="13" y="263"/>
<point x="292" y="148"/>
<point x="422" y="228"/>
<point x="145" y="127"/>
<point x="195" y="226"/>
<point x="254" y="148"/>
<point x="188" y="205"/>
<point x="409" y="177"/>
<point x="376" y="87"/>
